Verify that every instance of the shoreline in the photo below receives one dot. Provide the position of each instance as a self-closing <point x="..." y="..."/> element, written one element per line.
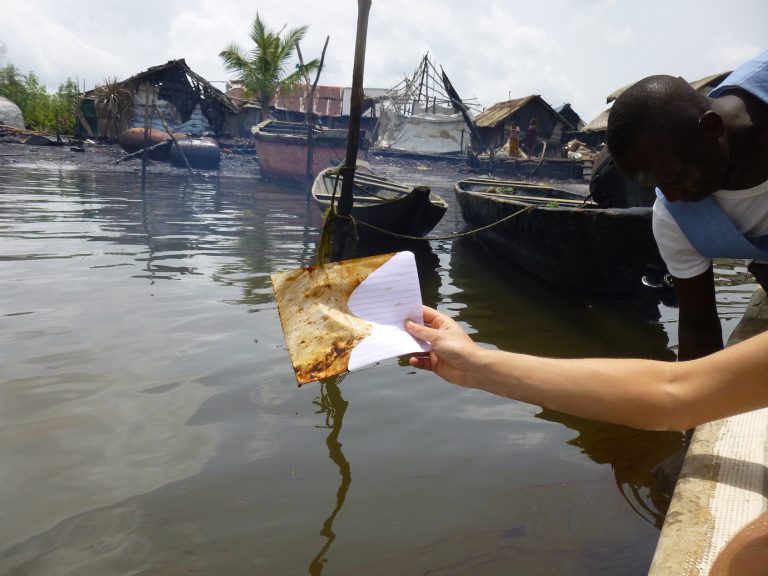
<point x="96" y="156"/>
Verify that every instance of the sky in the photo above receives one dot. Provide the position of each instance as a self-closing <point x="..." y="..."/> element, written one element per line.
<point x="575" y="51"/>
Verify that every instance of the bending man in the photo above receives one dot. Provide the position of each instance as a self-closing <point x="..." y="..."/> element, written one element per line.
<point x="707" y="157"/>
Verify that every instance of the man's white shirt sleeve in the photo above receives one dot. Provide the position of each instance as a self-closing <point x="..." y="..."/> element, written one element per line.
<point x="682" y="259"/>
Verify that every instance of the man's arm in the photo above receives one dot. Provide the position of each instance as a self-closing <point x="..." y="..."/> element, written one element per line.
<point x="699" y="331"/>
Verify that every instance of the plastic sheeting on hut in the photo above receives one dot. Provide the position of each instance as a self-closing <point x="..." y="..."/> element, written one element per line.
<point x="196" y="123"/>
<point x="420" y="115"/>
<point x="10" y="114"/>
<point x="424" y="132"/>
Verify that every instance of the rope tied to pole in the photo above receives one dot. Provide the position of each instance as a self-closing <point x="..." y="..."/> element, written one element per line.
<point x="330" y="216"/>
<point x="329" y="223"/>
<point x="452" y="236"/>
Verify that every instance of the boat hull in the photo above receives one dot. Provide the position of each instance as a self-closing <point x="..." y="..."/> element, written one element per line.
<point x="603" y="252"/>
<point x="549" y="168"/>
<point x="281" y="149"/>
<point x="400" y="214"/>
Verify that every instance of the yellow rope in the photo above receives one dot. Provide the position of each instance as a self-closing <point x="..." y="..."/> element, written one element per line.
<point x="324" y="244"/>
<point x="329" y="226"/>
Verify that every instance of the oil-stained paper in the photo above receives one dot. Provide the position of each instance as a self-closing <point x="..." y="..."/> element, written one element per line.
<point x="347" y="315"/>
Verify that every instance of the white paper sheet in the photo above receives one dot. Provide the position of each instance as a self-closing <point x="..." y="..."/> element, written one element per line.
<point x="386" y="298"/>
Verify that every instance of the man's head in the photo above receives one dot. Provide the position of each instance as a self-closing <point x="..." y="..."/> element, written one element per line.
<point x="663" y="133"/>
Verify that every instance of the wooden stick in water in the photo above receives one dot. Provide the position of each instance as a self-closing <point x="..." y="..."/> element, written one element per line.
<point x="173" y="139"/>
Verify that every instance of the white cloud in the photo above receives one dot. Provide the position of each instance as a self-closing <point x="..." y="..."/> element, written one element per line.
<point x="36" y="42"/>
<point x="565" y="51"/>
<point x="727" y="55"/>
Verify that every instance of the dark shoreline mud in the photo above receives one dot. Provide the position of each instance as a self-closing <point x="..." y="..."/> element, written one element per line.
<point x="99" y="156"/>
<point x="96" y="156"/>
<point x="75" y="155"/>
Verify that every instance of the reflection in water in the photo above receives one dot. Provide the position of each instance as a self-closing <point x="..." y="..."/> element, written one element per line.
<point x="333" y="406"/>
<point x="632" y="455"/>
<point x="96" y="241"/>
<point x="160" y="431"/>
<point x="308" y="237"/>
<point x="519" y="312"/>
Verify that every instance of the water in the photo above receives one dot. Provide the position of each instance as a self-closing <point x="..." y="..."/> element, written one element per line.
<point x="150" y="422"/>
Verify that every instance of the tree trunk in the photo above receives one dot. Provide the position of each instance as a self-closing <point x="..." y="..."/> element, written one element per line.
<point x="264" y="103"/>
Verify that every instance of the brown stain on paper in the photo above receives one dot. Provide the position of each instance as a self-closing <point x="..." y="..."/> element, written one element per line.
<point x="320" y="330"/>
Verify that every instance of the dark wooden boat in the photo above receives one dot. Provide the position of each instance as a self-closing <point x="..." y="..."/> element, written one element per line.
<point x="384" y="204"/>
<point x="281" y="148"/>
<point x="547" y="168"/>
<point x="565" y="237"/>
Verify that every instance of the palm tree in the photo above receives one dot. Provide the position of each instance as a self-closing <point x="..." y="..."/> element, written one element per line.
<point x="262" y="70"/>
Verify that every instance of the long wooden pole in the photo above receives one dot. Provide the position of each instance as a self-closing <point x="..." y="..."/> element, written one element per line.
<point x="173" y="138"/>
<point x="144" y="152"/>
<point x="353" y="137"/>
<point x="310" y="113"/>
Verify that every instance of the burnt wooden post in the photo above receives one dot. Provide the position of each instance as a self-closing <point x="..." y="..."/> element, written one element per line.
<point x="144" y="153"/>
<point x="174" y="142"/>
<point x="353" y="137"/>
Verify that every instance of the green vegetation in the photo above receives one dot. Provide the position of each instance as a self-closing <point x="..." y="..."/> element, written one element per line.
<point x="114" y="108"/>
<point x="41" y="110"/>
<point x="262" y="70"/>
<point x="501" y="190"/>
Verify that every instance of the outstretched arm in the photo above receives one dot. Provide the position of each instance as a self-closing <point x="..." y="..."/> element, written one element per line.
<point x="645" y="394"/>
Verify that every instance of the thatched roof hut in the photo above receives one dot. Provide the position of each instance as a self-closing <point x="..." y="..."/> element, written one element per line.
<point x="596" y="128"/>
<point x="493" y="122"/>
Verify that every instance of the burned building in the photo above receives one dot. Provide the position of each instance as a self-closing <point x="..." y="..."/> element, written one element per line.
<point x="185" y="100"/>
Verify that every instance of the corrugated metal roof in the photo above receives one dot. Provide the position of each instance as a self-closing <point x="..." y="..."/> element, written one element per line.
<point x="500" y="111"/>
<point x="328" y="100"/>
<point x="237" y="94"/>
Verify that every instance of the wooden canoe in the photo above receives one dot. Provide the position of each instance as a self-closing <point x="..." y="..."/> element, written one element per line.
<point x="396" y="209"/>
<point x="564" y="237"/>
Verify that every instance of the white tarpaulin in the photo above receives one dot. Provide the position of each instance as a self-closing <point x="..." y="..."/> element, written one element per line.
<point x="429" y="133"/>
<point x="424" y="114"/>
